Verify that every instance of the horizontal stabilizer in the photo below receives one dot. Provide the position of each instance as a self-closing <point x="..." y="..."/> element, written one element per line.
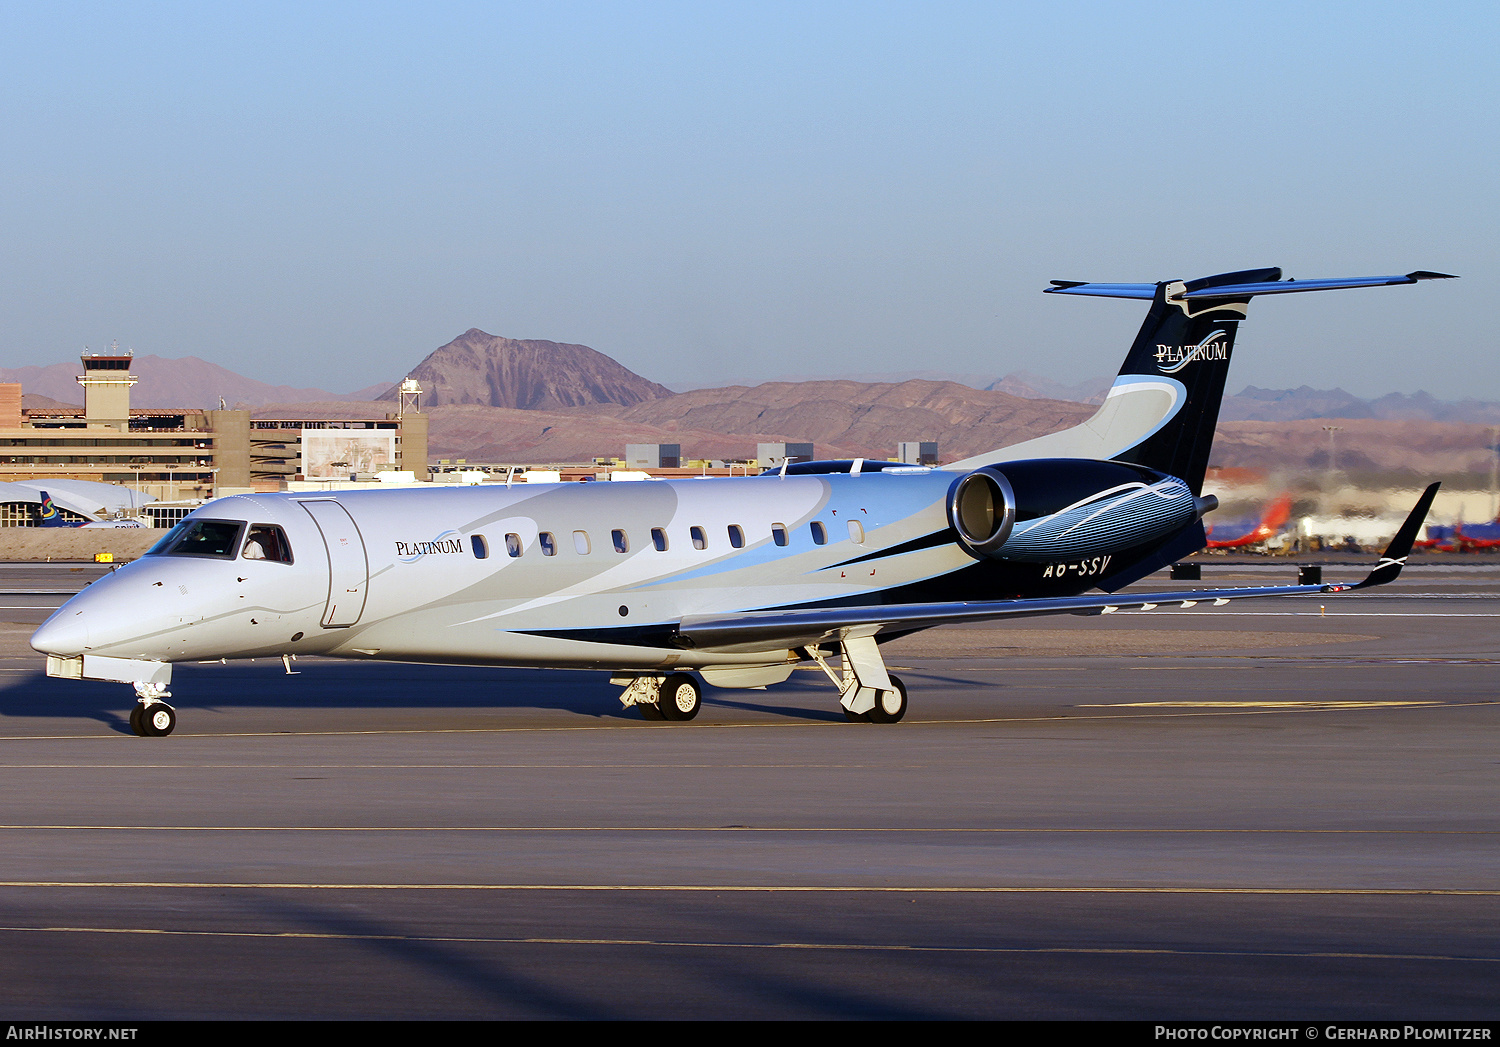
<point x="1146" y="291"/>
<point x="1240" y="291"/>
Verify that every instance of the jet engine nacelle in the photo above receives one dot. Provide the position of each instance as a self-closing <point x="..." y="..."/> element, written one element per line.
<point x="1052" y="509"/>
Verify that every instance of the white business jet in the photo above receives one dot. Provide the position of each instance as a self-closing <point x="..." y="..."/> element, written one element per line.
<point x="734" y="580"/>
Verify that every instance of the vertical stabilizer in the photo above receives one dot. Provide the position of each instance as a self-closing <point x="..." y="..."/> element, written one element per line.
<point x="47" y="514"/>
<point x="1162" y="409"/>
<point x="1183" y="349"/>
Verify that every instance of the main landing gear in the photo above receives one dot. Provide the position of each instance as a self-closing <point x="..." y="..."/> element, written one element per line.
<point x="674" y="697"/>
<point x="889" y="707"/>
<point x="867" y="692"/>
<point x="152" y="717"/>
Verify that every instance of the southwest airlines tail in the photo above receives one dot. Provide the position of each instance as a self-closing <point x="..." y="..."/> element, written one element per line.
<point x="1276" y="516"/>
<point x="1162" y="409"/>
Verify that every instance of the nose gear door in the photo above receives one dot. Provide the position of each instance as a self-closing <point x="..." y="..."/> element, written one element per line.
<point x="348" y="568"/>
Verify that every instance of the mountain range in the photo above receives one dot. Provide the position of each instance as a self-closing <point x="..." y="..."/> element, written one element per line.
<point x="1285" y="405"/>
<point x="532" y="374"/>
<point x="496" y="399"/>
<point x="528" y="374"/>
<point x="1279" y="405"/>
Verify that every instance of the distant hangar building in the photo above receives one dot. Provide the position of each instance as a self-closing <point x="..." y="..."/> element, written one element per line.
<point x="917" y="452"/>
<point x="653" y="456"/>
<point x="769" y="455"/>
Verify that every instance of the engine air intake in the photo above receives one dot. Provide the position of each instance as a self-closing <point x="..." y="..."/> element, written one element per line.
<point x="982" y="509"/>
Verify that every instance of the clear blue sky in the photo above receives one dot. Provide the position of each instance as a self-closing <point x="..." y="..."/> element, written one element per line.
<point x="320" y="194"/>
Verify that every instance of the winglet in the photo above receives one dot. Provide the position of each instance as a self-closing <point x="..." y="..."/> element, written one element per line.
<point x="1423" y="274"/>
<point x="1394" y="557"/>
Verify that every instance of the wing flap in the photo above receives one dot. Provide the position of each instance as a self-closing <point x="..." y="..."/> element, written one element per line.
<point x="757" y="630"/>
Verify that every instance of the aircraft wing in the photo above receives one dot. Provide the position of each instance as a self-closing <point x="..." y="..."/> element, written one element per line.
<point x="763" y="630"/>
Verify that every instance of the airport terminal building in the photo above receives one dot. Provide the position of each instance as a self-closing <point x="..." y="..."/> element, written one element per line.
<point x="189" y="453"/>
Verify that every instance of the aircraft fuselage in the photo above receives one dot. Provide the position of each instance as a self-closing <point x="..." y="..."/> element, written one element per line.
<point x="557" y="574"/>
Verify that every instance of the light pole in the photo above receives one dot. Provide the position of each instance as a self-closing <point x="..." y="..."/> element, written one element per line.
<point x="1495" y="471"/>
<point x="1333" y="461"/>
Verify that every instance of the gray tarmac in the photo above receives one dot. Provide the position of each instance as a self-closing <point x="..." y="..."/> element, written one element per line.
<point x="1280" y="809"/>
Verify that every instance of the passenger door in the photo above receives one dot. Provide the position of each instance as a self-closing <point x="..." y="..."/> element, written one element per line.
<point x="348" y="567"/>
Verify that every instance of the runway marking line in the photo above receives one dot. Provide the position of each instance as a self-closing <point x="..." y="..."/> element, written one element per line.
<point x="460" y="766"/>
<point x="748" y="829"/>
<point x="1314" y="708"/>
<point x="1395" y="892"/>
<point x="1279" y="661"/>
<point x="1253" y="705"/>
<point x="1044" y="950"/>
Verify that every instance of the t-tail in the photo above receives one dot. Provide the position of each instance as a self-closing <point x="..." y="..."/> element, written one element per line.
<point x="1162" y="409"/>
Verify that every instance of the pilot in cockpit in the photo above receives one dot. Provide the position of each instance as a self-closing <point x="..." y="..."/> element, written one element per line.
<point x="266" y="543"/>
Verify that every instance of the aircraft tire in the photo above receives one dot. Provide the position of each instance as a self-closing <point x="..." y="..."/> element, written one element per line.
<point x="680" y="697"/>
<point x="890" y="705"/>
<point x="159" y="720"/>
<point x="137" y="726"/>
<point x="649" y="711"/>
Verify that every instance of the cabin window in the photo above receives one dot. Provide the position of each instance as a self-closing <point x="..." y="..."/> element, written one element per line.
<point x="513" y="545"/>
<point x="480" y="546"/>
<point x="267" y="542"/>
<point x="856" y="532"/>
<point x="621" y="542"/>
<point x="699" y="536"/>
<point x="779" y="535"/>
<point x="819" y="532"/>
<point x="736" y="536"/>
<point x="216" y="538"/>
<point x="547" y="543"/>
<point x="659" y="539"/>
<point x="581" y="542"/>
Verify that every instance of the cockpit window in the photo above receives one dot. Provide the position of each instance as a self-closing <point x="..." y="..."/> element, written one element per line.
<point x="217" y="538"/>
<point x="167" y="540"/>
<point x="267" y="542"/>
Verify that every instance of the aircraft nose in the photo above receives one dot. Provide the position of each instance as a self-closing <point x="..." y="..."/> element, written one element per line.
<point x="65" y="634"/>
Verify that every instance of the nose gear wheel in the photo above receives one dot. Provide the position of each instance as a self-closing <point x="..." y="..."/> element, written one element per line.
<point x="153" y="719"/>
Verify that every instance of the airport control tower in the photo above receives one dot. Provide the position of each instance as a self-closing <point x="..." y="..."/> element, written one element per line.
<point x="106" y="382"/>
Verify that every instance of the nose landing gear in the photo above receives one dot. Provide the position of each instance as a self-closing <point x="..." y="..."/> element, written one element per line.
<point x="152" y="717"/>
<point x="156" y="720"/>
